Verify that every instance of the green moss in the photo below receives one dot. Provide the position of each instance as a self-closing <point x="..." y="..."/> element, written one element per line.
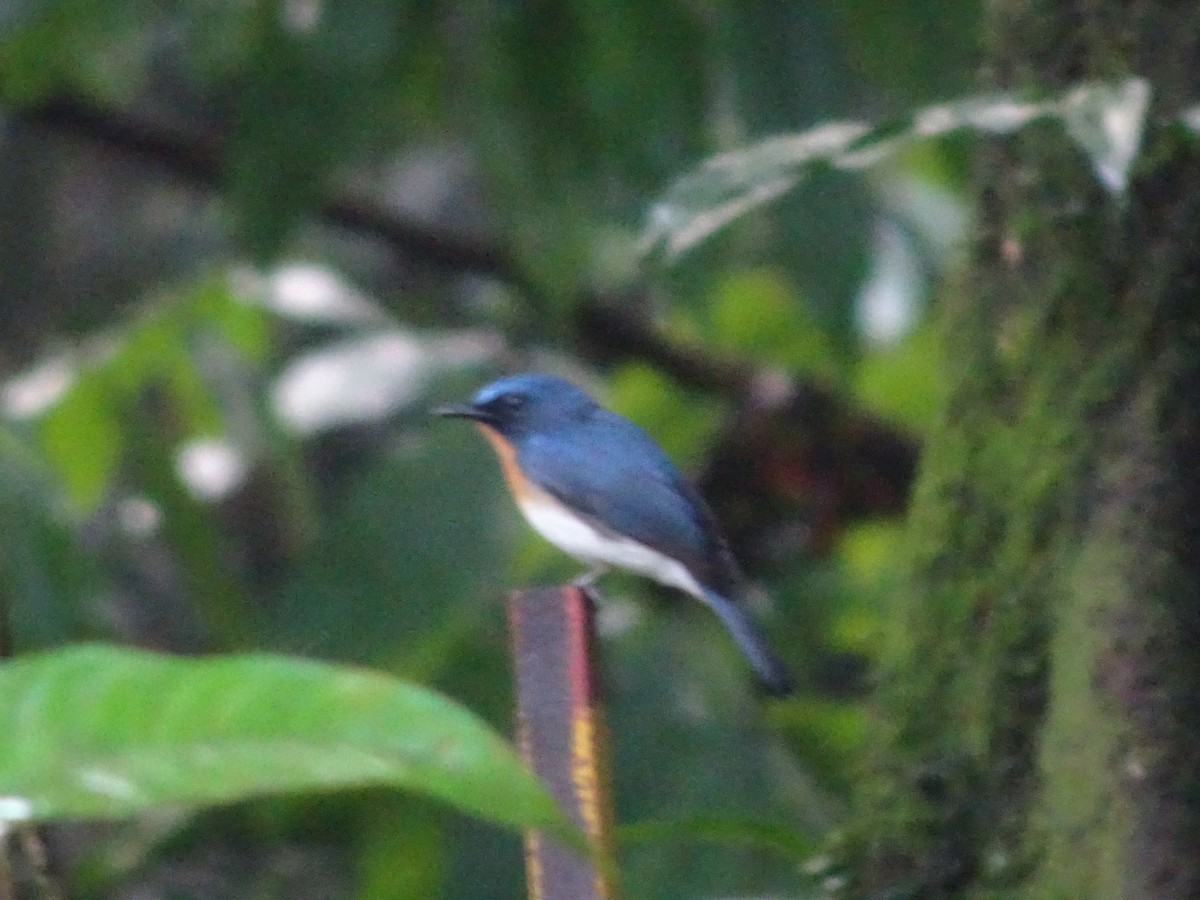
<point x="1081" y="817"/>
<point x="974" y="667"/>
<point x="1039" y="734"/>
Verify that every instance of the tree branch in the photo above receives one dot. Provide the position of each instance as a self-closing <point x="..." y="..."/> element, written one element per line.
<point x="198" y="157"/>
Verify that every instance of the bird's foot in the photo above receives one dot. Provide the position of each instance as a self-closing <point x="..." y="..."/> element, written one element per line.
<point x="587" y="580"/>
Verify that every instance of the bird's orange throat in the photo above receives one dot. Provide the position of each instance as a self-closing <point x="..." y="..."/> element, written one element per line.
<point x="517" y="482"/>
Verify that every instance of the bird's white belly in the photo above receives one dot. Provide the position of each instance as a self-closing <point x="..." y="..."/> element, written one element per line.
<point x="575" y="536"/>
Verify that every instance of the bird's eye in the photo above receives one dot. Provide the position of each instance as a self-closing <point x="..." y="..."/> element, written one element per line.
<point x="513" y="402"/>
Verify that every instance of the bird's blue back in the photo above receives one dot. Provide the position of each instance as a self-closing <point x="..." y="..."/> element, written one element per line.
<point x="610" y="471"/>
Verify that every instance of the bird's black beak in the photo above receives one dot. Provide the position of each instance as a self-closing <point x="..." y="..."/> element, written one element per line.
<point x="462" y="411"/>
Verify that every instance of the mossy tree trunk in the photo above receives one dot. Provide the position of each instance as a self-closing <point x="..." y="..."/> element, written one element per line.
<point x="1042" y="703"/>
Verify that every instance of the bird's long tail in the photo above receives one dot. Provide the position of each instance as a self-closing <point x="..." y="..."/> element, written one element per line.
<point x="770" y="669"/>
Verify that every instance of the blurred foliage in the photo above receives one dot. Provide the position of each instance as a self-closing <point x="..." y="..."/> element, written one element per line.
<point x="213" y="429"/>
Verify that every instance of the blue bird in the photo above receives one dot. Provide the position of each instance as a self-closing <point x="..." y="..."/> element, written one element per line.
<point x="597" y="486"/>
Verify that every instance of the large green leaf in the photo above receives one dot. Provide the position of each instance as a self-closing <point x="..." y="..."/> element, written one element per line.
<point x="96" y="731"/>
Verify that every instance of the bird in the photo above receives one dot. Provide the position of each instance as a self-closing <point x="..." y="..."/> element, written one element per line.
<point x="597" y="486"/>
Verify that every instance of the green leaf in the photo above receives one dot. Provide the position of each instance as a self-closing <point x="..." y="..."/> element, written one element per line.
<point x="313" y="99"/>
<point x="726" y="829"/>
<point x="905" y="382"/>
<point x="244" y="325"/>
<point x="59" y="45"/>
<point x="1105" y="120"/>
<point x="755" y="312"/>
<point x="829" y="735"/>
<point x="83" y="441"/>
<point x="96" y="731"/>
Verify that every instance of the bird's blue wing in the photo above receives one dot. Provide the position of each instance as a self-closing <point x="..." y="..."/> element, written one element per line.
<point x="614" y="474"/>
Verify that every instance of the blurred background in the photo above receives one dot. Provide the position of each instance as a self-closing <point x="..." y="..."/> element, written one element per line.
<point x="245" y="245"/>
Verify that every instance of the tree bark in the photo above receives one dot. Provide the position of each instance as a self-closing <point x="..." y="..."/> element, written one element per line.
<point x="1042" y="698"/>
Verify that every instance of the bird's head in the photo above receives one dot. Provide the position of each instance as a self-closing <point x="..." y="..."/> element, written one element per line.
<point x="521" y="405"/>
